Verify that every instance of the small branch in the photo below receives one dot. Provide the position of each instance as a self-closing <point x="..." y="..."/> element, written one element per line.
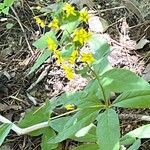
<point x="101" y="87"/>
<point x="19" y="22"/>
<point x="22" y="131"/>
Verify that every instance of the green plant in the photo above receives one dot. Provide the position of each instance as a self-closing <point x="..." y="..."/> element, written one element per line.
<point x="91" y="117"/>
<point x="5" y="5"/>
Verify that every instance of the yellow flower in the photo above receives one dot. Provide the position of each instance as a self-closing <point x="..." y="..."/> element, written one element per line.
<point x="69" y="73"/>
<point x="81" y="36"/>
<point x="57" y="55"/>
<point x="69" y="9"/>
<point x="84" y="15"/>
<point x="70" y="107"/>
<point x="54" y="24"/>
<point x="39" y="21"/>
<point x="51" y="44"/>
<point x="73" y="57"/>
<point x="87" y="58"/>
<point x="42" y="24"/>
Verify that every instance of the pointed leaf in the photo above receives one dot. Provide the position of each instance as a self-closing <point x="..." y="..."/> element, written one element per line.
<point x="34" y="116"/>
<point x="99" y="47"/>
<point x="41" y="59"/>
<point x="4" y="130"/>
<point x="47" y="134"/>
<point x="108" y="130"/>
<point x="135" y="145"/>
<point x="8" y="2"/>
<point x="78" y="121"/>
<point x="133" y="99"/>
<point x="141" y="133"/>
<point x="121" y="80"/>
<point x="41" y="43"/>
<point x="101" y="66"/>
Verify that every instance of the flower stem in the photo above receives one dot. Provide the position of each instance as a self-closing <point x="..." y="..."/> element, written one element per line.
<point x="100" y="85"/>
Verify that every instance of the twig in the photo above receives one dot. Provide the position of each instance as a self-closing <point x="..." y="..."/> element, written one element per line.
<point x="19" y="22"/>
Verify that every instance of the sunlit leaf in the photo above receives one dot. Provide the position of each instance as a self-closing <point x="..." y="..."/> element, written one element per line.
<point x="133" y="99"/>
<point x="4" y="130"/>
<point x="108" y="130"/>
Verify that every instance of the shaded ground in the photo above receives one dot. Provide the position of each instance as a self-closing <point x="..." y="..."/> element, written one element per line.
<point x="16" y="58"/>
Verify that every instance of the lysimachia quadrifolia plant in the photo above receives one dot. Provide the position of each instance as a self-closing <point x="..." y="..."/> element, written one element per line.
<point x="90" y="115"/>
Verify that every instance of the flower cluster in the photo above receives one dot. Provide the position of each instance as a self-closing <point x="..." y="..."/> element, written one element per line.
<point x="78" y="38"/>
<point x="81" y="36"/>
<point x="39" y="22"/>
<point x="54" y="24"/>
<point x="69" y="10"/>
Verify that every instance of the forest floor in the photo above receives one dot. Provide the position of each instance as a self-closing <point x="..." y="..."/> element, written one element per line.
<point x="126" y="31"/>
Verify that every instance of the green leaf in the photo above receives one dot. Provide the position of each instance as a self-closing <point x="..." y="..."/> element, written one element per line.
<point x="42" y="42"/>
<point x="6" y="10"/>
<point x="89" y="137"/>
<point x="133" y="99"/>
<point x="142" y="132"/>
<point x="68" y="27"/>
<point x="121" y="80"/>
<point x="4" y="130"/>
<point x="67" y="51"/>
<point x="2" y="6"/>
<point x="128" y="140"/>
<point x="135" y="145"/>
<point x="9" y="26"/>
<point x="59" y="123"/>
<point x="78" y="121"/>
<point x="34" y="116"/>
<point x="99" y="47"/>
<point x="41" y="59"/>
<point x="47" y="134"/>
<point x="8" y="2"/>
<point x="87" y="147"/>
<point x="108" y="130"/>
<point x="101" y="66"/>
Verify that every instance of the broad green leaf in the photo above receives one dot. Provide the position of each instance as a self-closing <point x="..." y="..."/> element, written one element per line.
<point x="59" y="123"/>
<point x="108" y="130"/>
<point x="4" y="130"/>
<point x="41" y="59"/>
<point x="101" y="66"/>
<point x="87" y="147"/>
<point x="142" y="132"/>
<point x="89" y="137"/>
<point x="133" y="99"/>
<point x="128" y="140"/>
<point x="99" y="47"/>
<point x="34" y="116"/>
<point x="93" y="90"/>
<point x="68" y="27"/>
<point x="135" y="145"/>
<point x="83" y="131"/>
<point x="2" y="6"/>
<point x="41" y="43"/>
<point x="67" y="51"/>
<point x="8" y="2"/>
<point x="47" y="134"/>
<point x="121" y="80"/>
<point x="78" y="121"/>
<point x="5" y="10"/>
